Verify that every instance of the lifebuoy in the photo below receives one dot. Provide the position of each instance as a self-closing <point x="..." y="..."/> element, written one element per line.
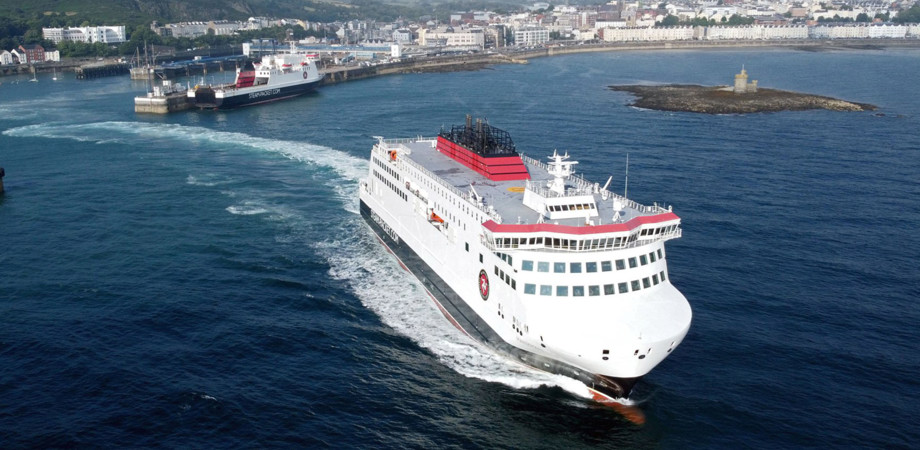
<point x="305" y="75"/>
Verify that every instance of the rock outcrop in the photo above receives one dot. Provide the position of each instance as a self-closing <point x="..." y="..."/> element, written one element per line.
<point x="721" y="100"/>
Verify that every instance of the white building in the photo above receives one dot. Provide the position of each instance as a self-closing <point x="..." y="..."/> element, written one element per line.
<point x="53" y="55"/>
<point x="839" y="32"/>
<point x="887" y="31"/>
<point x="90" y="35"/>
<point x="647" y="34"/>
<point x="6" y="57"/>
<point x="402" y="36"/>
<point x="531" y="35"/>
<point x="471" y="37"/>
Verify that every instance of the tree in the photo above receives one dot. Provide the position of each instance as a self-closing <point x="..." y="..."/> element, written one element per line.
<point x="911" y="15"/>
<point x="670" y="20"/>
<point x="862" y="17"/>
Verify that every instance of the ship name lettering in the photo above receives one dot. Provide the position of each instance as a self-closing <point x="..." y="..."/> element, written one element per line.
<point x="386" y="228"/>
<point x="265" y="93"/>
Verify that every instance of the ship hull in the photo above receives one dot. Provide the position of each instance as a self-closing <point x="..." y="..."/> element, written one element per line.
<point x="247" y="97"/>
<point x="462" y="316"/>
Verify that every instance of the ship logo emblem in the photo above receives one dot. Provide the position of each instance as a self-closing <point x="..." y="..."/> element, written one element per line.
<point x="483" y="285"/>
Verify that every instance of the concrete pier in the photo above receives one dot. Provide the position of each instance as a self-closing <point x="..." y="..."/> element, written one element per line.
<point x="164" y="99"/>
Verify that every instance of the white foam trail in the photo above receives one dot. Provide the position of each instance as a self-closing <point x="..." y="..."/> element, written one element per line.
<point x="246" y="210"/>
<point x="402" y="303"/>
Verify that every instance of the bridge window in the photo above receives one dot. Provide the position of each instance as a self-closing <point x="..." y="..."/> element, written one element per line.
<point x="662" y="276"/>
<point x="635" y="285"/>
<point x="530" y="288"/>
<point x="621" y="264"/>
<point x="542" y="267"/>
<point x="575" y="267"/>
<point x="594" y="290"/>
<point x="591" y="267"/>
<point x="562" y="291"/>
<point x="643" y="259"/>
<point x="651" y="256"/>
<point x="578" y="291"/>
<point x="632" y="263"/>
<point x="606" y="266"/>
<point x="559" y="267"/>
<point x="623" y="288"/>
<point x="659" y="254"/>
<point x="646" y="283"/>
<point x="527" y="265"/>
<point x="655" y="279"/>
<point x="608" y="289"/>
<point x="546" y="289"/>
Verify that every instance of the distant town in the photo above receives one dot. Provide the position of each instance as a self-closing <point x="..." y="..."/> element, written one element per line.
<point x="542" y="25"/>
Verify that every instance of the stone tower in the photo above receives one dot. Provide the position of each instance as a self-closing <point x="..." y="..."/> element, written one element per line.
<point x="741" y="83"/>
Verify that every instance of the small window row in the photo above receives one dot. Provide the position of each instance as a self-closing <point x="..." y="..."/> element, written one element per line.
<point x="387" y="168"/>
<point x="594" y="290"/>
<point x="506" y="278"/>
<point x="581" y="207"/>
<point x="592" y="266"/>
<point x="392" y="186"/>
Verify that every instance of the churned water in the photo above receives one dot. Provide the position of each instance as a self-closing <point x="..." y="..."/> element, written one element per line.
<point x="203" y="279"/>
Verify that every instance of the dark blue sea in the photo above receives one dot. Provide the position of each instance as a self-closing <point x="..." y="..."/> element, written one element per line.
<point x="203" y="279"/>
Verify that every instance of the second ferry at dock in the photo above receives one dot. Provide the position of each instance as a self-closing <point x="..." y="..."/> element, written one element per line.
<point x="276" y="77"/>
<point x="529" y="258"/>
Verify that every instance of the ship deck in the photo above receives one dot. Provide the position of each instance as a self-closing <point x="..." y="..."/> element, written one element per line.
<point x="506" y="197"/>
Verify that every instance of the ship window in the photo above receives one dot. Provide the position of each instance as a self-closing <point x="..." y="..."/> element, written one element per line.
<point x="659" y="254"/>
<point x="562" y="291"/>
<point x="632" y="262"/>
<point x="578" y="291"/>
<point x="467" y="244"/>
<point x="565" y="207"/>
<point x="623" y="288"/>
<point x="646" y="283"/>
<point x="546" y="289"/>
<point x="591" y="267"/>
<point x="655" y="279"/>
<point x="527" y="265"/>
<point x="621" y="264"/>
<point x="643" y="259"/>
<point x="608" y="289"/>
<point x="542" y="266"/>
<point x="480" y="257"/>
<point x="575" y="267"/>
<point x="662" y="276"/>
<point x="594" y="290"/>
<point x="651" y="256"/>
<point x="559" y="267"/>
<point x="635" y="285"/>
<point x="530" y="288"/>
<point x="513" y="284"/>
<point x="510" y="261"/>
<point x="606" y="266"/>
<point x="496" y="270"/>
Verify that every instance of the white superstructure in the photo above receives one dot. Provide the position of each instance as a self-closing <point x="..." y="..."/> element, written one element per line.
<point x="528" y="257"/>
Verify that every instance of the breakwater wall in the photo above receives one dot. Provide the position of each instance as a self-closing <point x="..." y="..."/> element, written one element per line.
<point x="101" y="70"/>
<point x="443" y="64"/>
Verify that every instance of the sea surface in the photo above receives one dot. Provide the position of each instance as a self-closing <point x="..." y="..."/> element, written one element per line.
<point x="204" y="280"/>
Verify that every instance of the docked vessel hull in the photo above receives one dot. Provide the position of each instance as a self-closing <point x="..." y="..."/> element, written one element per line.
<point x="458" y="312"/>
<point x="203" y="100"/>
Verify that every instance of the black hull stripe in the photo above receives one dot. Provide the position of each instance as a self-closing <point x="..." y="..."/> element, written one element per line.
<point x="469" y="322"/>
<point x="237" y="101"/>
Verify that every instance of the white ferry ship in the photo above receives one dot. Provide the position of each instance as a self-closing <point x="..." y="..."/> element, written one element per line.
<point x="529" y="258"/>
<point x="276" y="77"/>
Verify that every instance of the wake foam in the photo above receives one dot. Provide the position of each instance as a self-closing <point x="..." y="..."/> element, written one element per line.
<point x="402" y="303"/>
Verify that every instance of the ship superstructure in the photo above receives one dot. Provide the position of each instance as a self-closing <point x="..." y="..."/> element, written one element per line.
<point x="528" y="257"/>
<point x="276" y="77"/>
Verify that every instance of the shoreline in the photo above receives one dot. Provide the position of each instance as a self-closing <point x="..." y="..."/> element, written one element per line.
<point x="512" y="55"/>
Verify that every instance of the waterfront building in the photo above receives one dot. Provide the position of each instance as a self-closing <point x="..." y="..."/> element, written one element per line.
<point x="52" y="56"/>
<point x="887" y="31"/>
<point x="470" y="37"/>
<point x="531" y="35"/>
<point x="90" y="35"/>
<point x="643" y="34"/>
<point x="6" y="57"/>
<point x="402" y="36"/>
<point x="31" y="54"/>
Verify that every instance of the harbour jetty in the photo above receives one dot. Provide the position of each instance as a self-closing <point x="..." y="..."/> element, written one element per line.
<point x="101" y="70"/>
<point x="742" y="98"/>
